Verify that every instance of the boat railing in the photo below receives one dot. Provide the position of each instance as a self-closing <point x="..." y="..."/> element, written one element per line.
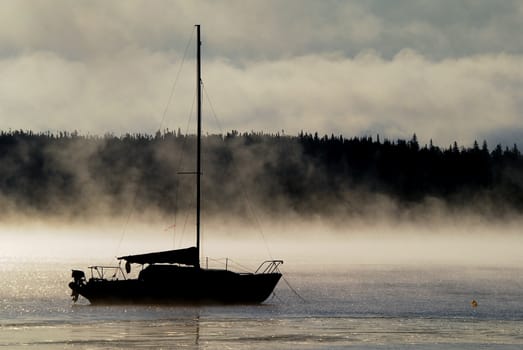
<point x="269" y="266"/>
<point x="224" y="263"/>
<point x="100" y="272"/>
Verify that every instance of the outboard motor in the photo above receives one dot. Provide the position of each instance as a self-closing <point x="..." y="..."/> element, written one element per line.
<point x="78" y="282"/>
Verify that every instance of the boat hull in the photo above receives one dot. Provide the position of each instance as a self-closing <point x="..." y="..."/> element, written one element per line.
<point x="163" y="284"/>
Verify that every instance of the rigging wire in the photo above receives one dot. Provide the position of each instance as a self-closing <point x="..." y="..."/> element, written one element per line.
<point x="242" y="185"/>
<point x="164" y="115"/>
<point x="127" y="220"/>
<point x="178" y="168"/>
<point x="175" y="83"/>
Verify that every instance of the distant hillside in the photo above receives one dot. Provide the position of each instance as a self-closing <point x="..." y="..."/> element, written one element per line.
<point x="74" y="175"/>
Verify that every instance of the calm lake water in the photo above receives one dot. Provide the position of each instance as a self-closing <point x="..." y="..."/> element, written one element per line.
<point x="354" y="306"/>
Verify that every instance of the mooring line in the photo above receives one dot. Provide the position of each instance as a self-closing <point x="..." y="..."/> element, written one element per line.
<point x="294" y="291"/>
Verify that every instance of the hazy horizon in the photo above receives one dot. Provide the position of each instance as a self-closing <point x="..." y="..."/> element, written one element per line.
<point x="302" y="243"/>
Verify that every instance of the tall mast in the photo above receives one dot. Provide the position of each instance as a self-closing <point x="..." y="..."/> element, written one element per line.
<point x="199" y="136"/>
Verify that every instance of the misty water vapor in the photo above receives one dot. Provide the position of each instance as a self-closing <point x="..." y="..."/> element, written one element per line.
<point x="75" y="197"/>
<point x="304" y="245"/>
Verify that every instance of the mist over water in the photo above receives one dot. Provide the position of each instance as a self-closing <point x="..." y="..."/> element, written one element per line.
<point x="303" y="244"/>
<point x="361" y="284"/>
<point x="379" y="274"/>
<point x="386" y="242"/>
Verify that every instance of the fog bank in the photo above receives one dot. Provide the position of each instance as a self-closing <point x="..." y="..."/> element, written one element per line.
<point x="302" y="245"/>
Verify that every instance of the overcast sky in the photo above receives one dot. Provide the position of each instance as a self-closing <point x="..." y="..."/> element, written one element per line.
<point x="445" y="70"/>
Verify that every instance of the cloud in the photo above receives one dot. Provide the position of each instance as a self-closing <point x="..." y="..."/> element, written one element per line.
<point x="264" y="29"/>
<point x="454" y="99"/>
<point x="446" y="70"/>
<point x="42" y="91"/>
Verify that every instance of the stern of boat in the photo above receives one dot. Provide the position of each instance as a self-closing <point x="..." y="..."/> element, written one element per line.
<point x="77" y="284"/>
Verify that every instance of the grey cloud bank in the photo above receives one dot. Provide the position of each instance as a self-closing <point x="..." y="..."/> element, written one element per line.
<point x="446" y="70"/>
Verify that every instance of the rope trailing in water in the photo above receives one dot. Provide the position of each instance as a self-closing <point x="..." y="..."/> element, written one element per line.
<point x="275" y="296"/>
<point x="293" y="290"/>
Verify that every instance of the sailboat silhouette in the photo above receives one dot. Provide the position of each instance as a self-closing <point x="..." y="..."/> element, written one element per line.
<point x="175" y="276"/>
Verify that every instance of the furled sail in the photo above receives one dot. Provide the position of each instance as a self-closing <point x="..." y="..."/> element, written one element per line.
<point x="187" y="256"/>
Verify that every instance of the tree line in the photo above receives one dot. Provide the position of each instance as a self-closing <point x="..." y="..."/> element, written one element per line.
<point x="71" y="174"/>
